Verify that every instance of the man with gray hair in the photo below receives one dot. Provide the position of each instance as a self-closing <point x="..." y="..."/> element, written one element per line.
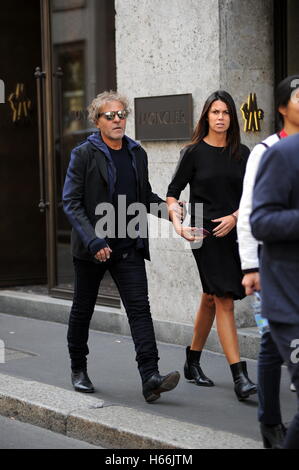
<point x="106" y="167"/>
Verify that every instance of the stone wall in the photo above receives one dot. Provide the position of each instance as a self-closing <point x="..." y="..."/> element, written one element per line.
<point x="247" y="57"/>
<point x="190" y="46"/>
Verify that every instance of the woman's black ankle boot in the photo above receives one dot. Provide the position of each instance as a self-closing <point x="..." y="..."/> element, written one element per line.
<point x="243" y="385"/>
<point x="193" y="371"/>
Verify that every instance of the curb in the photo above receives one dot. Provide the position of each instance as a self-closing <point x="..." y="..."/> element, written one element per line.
<point x="89" y="419"/>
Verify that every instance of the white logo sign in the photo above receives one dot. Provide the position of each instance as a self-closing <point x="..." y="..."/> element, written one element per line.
<point x="295" y="354"/>
<point x="131" y="220"/>
<point x="2" y="352"/>
<point x="2" y="92"/>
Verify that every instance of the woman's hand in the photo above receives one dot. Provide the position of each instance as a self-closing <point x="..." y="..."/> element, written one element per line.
<point x="226" y="225"/>
<point x="191" y="234"/>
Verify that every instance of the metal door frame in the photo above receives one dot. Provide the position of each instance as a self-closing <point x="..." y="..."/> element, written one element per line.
<point x="280" y="40"/>
<point x="48" y="139"/>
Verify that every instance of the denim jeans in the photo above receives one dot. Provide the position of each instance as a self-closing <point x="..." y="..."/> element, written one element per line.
<point x="269" y="374"/>
<point x="128" y="272"/>
<point x="286" y="337"/>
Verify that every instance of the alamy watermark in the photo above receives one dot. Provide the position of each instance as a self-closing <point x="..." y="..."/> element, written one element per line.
<point x="2" y="92"/>
<point x="295" y="353"/>
<point x="2" y="352"/>
<point x="131" y="220"/>
<point x="295" y="94"/>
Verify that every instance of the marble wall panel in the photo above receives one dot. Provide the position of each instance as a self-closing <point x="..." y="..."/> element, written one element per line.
<point x="194" y="46"/>
<point x="247" y="58"/>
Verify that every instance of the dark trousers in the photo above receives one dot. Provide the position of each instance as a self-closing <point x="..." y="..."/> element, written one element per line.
<point x="286" y="337"/>
<point x="128" y="272"/>
<point x="269" y="374"/>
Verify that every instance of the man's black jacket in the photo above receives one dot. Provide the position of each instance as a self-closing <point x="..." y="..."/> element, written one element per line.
<point x="90" y="181"/>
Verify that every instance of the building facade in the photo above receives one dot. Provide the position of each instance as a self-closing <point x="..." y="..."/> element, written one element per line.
<point x="56" y="55"/>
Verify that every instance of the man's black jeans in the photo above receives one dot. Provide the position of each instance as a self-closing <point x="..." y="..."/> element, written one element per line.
<point x="269" y="374"/>
<point x="286" y="337"/>
<point x="128" y="272"/>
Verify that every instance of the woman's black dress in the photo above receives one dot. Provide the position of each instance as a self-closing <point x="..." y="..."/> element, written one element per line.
<point x="216" y="181"/>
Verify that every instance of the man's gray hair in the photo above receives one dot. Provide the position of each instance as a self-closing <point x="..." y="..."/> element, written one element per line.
<point x="97" y="104"/>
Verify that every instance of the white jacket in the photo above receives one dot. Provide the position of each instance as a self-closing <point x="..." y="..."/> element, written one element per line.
<point x="248" y="245"/>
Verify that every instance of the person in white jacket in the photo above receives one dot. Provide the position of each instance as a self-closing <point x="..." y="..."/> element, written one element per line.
<point x="270" y="360"/>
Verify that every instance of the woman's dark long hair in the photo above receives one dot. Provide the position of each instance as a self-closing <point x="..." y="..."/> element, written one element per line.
<point x="233" y="133"/>
<point x="283" y="95"/>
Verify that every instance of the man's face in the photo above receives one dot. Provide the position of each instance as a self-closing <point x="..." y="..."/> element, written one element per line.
<point x="113" y="130"/>
<point x="291" y="111"/>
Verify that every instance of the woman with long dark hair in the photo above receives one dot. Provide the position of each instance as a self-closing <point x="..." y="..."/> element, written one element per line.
<point x="214" y="166"/>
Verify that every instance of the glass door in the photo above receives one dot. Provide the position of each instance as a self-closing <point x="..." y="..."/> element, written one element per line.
<point x="286" y="37"/>
<point x="79" y="63"/>
<point x="293" y="37"/>
<point x="22" y="233"/>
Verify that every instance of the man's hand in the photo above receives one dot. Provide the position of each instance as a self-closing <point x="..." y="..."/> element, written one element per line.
<point x="182" y="210"/>
<point x="103" y="255"/>
<point x="226" y="226"/>
<point x="251" y="283"/>
<point x="179" y="209"/>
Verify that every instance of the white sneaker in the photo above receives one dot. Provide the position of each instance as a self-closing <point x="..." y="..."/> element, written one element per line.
<point x="292" y="388"/>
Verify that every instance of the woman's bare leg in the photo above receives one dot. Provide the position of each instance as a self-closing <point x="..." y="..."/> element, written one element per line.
<point x="203" y="322"/>
<point x="226" y="328"/>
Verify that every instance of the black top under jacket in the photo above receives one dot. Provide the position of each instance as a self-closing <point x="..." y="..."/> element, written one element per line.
<point x="91" y="180"/>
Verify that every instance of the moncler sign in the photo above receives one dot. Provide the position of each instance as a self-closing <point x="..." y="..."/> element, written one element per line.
<point x="164" y="118"/>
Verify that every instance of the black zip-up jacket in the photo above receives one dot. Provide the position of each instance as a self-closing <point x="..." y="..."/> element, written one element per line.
<point x="90" y="181"/>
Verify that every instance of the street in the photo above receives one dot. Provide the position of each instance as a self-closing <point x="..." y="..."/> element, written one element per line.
<point x="17" y="435"/>
<point x="37" y="351"/>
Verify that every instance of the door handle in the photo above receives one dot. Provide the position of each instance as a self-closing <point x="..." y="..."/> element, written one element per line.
<point x="40" y="76"/>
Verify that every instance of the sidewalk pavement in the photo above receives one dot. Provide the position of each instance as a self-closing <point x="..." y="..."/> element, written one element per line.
<point x="35" y="387"/>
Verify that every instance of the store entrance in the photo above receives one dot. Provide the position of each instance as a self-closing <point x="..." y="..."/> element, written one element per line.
<point x="286" y="38"/>
<point x="56" y="57"/>
<point x="23" y="228"/>
<point x="78" y="63"/>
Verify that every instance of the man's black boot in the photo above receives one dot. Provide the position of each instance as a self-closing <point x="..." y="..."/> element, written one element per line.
<point x="244" y="387"/>
<point x="158" y="384"/>
<point x="193" y="371"/>
<point x="81" y="381"/>
<point x="273" y="436"/>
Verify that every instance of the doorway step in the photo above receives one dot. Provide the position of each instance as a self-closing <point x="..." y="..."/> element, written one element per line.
<point x="34" y="302"/>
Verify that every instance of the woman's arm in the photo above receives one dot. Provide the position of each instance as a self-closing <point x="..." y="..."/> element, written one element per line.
<point x="189" y="233"/>
<point x="183" y="174"/>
